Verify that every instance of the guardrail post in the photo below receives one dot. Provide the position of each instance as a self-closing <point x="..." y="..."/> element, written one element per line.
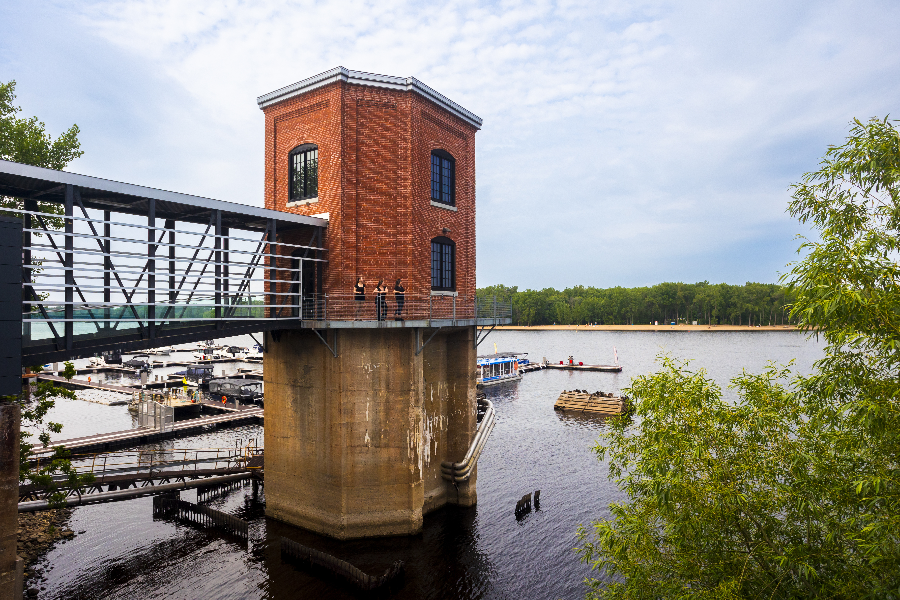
<point x="170" y="225"/>
<point x="218" y="267"/>
<point x="69" y="267"/>
<point x="224" y="271"/>
<point x="151" y="268"/>
<point x="107" y="267"/>
<point x="272" y="250"/>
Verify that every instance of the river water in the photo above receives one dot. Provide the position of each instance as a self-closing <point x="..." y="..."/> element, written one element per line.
<point x="480" y="552"/>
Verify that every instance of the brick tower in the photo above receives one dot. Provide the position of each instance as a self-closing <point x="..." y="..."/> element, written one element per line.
<point x="358" y="423"/>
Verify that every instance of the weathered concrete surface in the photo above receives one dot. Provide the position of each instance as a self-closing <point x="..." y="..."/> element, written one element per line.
<point x="354" y="443"/>
<point x="10" y="421"/>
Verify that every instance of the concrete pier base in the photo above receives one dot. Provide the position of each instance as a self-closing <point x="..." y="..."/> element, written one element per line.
<point x="10" y="570"/>
<point x="354" y="442"/>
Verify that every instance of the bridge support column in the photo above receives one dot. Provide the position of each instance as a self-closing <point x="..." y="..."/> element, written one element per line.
<point x="10" y="574"/>
<point x="354" y="443"/>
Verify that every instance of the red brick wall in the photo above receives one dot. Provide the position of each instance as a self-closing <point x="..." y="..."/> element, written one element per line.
<point x="375" y="182"/>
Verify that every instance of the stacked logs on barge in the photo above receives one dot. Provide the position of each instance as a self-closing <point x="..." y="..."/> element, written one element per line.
<point x="598" y="403"/>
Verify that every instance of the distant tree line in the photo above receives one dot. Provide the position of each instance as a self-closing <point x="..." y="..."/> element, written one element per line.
<point x="716" y="304"/>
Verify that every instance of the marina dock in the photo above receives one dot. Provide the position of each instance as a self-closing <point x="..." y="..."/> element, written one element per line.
<point x="568" y="367"/>
<point x="135" y="437"/>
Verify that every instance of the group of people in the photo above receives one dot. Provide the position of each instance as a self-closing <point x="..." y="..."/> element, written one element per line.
<point x="381" y="291"/>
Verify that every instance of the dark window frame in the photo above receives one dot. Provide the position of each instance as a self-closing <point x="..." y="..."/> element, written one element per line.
<point x="443" y="264"/>
<point x="443" y="177"/>
<point x="309" y="188"/>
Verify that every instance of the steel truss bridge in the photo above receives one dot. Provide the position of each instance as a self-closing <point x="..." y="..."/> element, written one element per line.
<point x="115" y="266"/>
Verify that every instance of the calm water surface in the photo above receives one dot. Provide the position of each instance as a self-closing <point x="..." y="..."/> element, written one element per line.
<point x="482" y="552"/>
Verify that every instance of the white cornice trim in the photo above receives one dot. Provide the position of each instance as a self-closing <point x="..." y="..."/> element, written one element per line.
<point x="361" y="78"/>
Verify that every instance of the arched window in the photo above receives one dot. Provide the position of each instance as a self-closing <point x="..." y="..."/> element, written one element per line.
<point x="443" y="264"/>
<point x="443" y="176"/>
<point x="304" y="172"/>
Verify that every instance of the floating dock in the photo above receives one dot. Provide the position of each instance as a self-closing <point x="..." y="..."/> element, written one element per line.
<point x="568" y="367"/>
<point x="135" y="437"/>
<point x="598" y="403"/>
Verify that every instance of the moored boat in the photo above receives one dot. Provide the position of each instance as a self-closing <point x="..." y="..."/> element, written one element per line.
<point x="500" y="367"/>
<point x="140" y="362"/>
<point x="246" y="390"/>
<point x="196" y="375"/>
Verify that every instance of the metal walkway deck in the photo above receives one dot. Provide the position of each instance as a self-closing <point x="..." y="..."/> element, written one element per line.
<point x="135" y="437"/>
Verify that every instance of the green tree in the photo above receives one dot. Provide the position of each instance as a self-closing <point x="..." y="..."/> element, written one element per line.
<point x="27" y="141"/>
<point x="47" y="474"/>
<point x="793" y="489"/>
<point x="56" y="469"/>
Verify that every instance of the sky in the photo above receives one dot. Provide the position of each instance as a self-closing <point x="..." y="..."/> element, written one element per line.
<point x="624" y="142"/>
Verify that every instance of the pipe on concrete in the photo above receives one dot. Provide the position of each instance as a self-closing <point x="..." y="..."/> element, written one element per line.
<point x="485" y="421"/>
<point x="36" y="505"/>
<point x="460" y="471"/>
<point x="461" y="475"/>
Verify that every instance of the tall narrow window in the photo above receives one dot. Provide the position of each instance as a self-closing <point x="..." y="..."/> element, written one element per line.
<point x="443" y="175"/>
<point x="304" y="172"/>
<point x="443" y="264"/>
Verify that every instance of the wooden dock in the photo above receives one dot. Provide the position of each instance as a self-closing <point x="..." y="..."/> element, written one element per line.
<point x="598" y="403"/>
<point x="136" y="437"/>
<point x="84" y="384"/>
<point x="568" y="367"/>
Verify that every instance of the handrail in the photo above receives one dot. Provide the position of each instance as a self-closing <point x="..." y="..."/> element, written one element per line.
<point x="458" y="472"/>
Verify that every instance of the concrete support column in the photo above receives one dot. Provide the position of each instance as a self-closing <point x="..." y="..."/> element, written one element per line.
<point x="10" y="421"/>
<point x="354" y="442"/>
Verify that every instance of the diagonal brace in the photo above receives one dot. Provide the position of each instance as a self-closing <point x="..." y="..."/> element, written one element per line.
<point x="334" y="341"/>
<point x="480" y="335"/>
<point x="419" y="336"/>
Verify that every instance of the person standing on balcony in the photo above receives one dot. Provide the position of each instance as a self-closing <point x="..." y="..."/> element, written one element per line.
<point x="380" y="302"/>
<point x="400" y="298"/>
<point x="359" y="297"/>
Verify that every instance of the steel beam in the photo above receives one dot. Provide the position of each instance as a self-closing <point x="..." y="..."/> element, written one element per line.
<point x="218" y="267"/>
<point x="151" y="268"/>
<point x="107" y="266"/>
<point x="68" y="327"/>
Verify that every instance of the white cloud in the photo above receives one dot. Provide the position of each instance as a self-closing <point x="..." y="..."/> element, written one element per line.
<point x="648" y="140"/>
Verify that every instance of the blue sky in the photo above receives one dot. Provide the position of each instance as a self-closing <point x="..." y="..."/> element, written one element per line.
<point x="624" y="143"/>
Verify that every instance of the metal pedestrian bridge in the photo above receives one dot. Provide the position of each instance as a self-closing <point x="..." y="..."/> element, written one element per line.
<point x="115" y="266"/>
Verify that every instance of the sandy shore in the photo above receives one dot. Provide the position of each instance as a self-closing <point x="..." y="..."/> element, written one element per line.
<point x="789" y="328"/>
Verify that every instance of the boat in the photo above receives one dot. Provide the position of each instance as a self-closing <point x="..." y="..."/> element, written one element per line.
<point x="97" y="362"/>
<point x="209" y="353"/>
<point x="140" y="362"/>
<point x="255" y="354"/>
<point x="247" y="390"/>
<point x="196" y="375"/>
<point x="164" y="351"/>
<point x="112" y="358"/>
<point x="596" y="404"/>
<point x="500" y="367"/>
<point x="237" y="352"/>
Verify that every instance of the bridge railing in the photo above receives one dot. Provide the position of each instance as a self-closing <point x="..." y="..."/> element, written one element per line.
<point x="145" y="466"/>
<point x="391" y="307"/>
<point x="95" y="278"/>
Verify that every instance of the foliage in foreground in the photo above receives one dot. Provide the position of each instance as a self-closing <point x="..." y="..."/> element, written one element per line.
<point x="791" y="490"/>
<point x="57" y="468"/>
